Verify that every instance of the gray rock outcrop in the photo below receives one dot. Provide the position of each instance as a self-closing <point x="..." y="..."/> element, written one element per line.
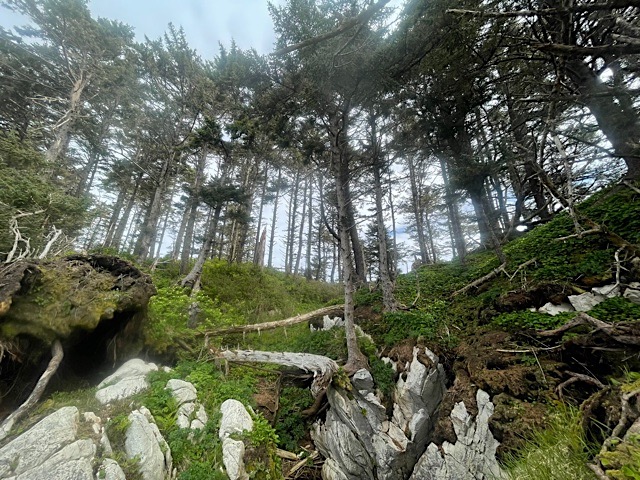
<point x="235" y="420"/>
<point x="38" y="444"/>
<point x="473" y="456"/>
<point x="128" y="380"/>
<point x="144" y="441"/>
<point x="632" y="293"/>
<point x="191" y="414"/>
<point x="361" y="441"/>
<point x="552" y="309"/>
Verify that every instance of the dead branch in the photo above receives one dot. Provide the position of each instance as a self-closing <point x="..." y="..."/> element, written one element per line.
<point x="323" y="368"/>
<point x="57" y="354"/>
<point x="619" y="332"/>
<point x="493" y="273"/>
<point x="597" y="470"/>
<point x="578" y="377"/>
<point x="632" y="187"/>
<point x="578" y="235"/>
<point x="625" y="413"/>
<point x="362" y="18"/>
<point x="301" y="464"/>
<point x="287" y="322"/>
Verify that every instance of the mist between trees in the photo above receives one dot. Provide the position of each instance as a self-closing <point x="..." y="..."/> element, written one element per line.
<point x="371" y="137"/>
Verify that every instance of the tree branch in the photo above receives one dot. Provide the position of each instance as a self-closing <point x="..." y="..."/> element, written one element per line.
<point x="361" y="18"/>
<point x="593" y="7"/>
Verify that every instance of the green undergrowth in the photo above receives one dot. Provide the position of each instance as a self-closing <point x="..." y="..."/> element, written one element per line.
<point x="231" y="294"/>
<point x="572" y="264"/>
<point x="557" y="452"/>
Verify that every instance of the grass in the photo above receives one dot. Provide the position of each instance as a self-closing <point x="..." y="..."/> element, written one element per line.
<point x="558" y="452"/>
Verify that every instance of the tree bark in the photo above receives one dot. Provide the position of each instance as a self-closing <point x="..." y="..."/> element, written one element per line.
<point x="273" y="219"/>
<point x="194" y="203"/>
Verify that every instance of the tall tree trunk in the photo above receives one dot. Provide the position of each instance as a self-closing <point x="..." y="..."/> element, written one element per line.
<point x="148" y="230"/>
<point x="115" y="215"/>
<point x="291" y="224"/>
<point x="416" y="206"/>
<point x="453" y="214"/>
<point x="116" y="242"/>
<point x="193" y="277"/>
<point x="194" y="202"/>
<point x="386" y="280"/>
<point x="274" y="218"/>
<point x="296" y="269"/>
<point x="307" y="271"/>
<point x="340" y="168"/>
<point x="260" y="211"/>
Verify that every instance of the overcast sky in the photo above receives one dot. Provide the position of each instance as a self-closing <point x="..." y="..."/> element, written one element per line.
<point x="206" y="22"/>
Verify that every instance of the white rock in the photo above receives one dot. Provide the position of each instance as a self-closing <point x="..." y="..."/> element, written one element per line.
<point x="585" y="301"/>
<point x="632" y="293"/>
<point x="125" y="382"/>
<point x="233" y="459"/>
<point x="72" y="462"/>
<point x="144" y="441"/>
<point x="608" y="291"/>
<point x="201" y="419"/>
<point x="183" y="392"/>
<point x="235" y="419"/>
<point x="40" y="442"/>
<point x="110" y="470"/>
<point x="551" y="309"/>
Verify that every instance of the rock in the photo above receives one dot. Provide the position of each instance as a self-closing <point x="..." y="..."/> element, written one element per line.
<point x="551" y="309"/>
<point x="362" y="380"/>
<point x="110" y="470"/>
<point x="608" y="291"/>
<point x="183" y="392"/>
<point x="233" y="459"/>
<point x="186" y="395"/>
<point x="632" y="293"/>
<point x="358" y="438"/>
<point x="39" y="443"/>
<point x="125" y="382"/>
<point x="72" y="462"/>
<point x="235" y="419"/>
<point x="144" y="441"/>
<point x="473" y="455"/>
<point x="328" y="323"/>
<point x="585" y="301"/>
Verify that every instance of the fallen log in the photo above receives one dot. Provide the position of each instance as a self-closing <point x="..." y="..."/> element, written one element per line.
<point x="323" y="368"/>
<point x="287" y="322"/>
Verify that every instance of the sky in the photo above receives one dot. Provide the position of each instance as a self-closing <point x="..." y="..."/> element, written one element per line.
<point x="206" y="22"/>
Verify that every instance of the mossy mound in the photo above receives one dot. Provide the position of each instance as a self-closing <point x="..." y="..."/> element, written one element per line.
<point x="67" y="297"/>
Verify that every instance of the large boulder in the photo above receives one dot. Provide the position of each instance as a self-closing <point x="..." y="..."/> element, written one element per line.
<point x="39" y="443"/>
<point x="128" y="380"/>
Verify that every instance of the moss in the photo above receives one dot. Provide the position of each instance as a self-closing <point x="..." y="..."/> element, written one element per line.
<point x="623" y="462"/>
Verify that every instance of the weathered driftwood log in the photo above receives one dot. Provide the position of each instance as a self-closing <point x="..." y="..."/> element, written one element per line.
<point x="323" y="368"/>
<point x="10" y="421"/>
<point x="287" y="322"/>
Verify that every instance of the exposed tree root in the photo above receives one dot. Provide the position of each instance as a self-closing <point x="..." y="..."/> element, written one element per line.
<point x="578" y="377"/>
<point x="287" y="322"/>
<point x="54" y="363"/>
